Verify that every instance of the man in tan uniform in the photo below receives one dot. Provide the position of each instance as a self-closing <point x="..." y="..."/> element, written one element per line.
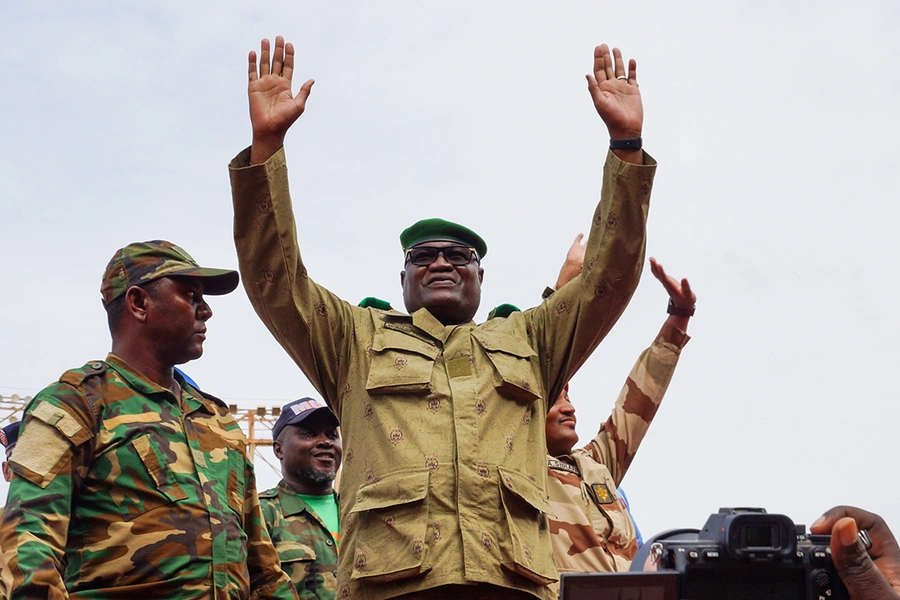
<point x="443" y="491"/>
<point x="591" y="528"/>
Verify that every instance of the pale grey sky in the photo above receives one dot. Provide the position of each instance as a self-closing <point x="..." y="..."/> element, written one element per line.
<point x="774" y="124"/>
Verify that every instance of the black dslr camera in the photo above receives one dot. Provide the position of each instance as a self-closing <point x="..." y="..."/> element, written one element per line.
<point x="745" y="553"/>
<point x="740" y="554"/>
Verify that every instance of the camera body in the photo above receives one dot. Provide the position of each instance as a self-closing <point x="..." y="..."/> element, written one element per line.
<point x="747" y="554"/>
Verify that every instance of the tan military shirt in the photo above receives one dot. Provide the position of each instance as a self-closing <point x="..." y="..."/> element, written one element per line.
<point x="444" y="464"/>
<point x="590" y="527"/>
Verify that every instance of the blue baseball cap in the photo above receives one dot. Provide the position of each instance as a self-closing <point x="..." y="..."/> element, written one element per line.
<point x="297" y="411"/>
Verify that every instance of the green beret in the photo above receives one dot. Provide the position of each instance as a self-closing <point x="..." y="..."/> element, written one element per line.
<point x="503" y="311"/>
<point x="439" y="230"/>
<point x="373" y="302"/>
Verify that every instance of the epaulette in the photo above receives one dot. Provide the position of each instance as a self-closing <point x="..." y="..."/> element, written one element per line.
<point x="209" y="396"/>
<point x="273" y="493"/>
<point x="76" y="377"/>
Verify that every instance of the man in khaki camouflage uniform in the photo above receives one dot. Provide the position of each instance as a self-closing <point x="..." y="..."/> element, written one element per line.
<point x="443" y="489"/>
<point x="301" y="513"/>
<point x="591" y="528"/>
<point x="128" y="481"/>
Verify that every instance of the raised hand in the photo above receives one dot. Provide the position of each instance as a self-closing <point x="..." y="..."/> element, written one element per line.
<point x="615" y="93"/>
<point x="679" y="291"/>
<point x="273" y="108"/>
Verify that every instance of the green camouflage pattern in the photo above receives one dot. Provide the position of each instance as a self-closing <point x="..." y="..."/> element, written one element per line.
<point x="142" y="262"/>
<point x="120" y="490"/>
<point x="306" y="549"/>
<point x="444" y="473"/>
<point x="591" y="529"/>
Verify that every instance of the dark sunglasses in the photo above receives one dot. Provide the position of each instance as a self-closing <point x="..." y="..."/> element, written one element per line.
<point x="422" y="256"/>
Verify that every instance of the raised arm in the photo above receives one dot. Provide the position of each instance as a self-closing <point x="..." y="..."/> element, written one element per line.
<point x="273" y="108"/>
<point x="570" y="325"/>
<point x="640" y="397"/>
<point x="312" y="324"/>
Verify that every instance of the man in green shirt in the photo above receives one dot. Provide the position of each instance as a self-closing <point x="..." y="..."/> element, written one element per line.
<point x="301" y="513"/>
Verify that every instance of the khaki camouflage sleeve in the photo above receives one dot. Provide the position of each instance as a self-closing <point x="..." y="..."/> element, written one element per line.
<point x="568" y="326"/>
<point x="267" y="580"/>
<point x="312" y="324"/>
<point x="51" y="459"/>
<point x="621" y="435"/>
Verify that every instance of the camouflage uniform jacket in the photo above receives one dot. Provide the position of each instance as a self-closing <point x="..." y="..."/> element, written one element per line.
<point x="307" y="551"/>
<point x="123" y="491"/>
<point x="591" y="529"/>
<point x="444" y="478"/>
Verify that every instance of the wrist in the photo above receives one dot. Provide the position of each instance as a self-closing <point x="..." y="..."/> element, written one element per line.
<point x="263" y="147"/>
<point x="635" y="143"/>
<point x="623" y="134"/>
<point x="678" y="311"/>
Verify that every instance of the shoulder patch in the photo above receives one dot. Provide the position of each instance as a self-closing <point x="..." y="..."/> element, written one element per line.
<point x="48" y="435"/>
<point x="62" y="421"/>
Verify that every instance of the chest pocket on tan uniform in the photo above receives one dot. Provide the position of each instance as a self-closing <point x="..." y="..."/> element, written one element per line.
<point x="514" y="363"/>
<point x="400" y="364"/>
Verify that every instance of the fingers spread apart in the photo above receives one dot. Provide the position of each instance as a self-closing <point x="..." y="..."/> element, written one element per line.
<point x="280" y="62"/>
<point x="612" y="67"/>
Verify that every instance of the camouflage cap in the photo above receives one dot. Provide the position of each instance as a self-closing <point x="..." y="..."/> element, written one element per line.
<point x="439" y="230"/>
<point x="143" y="262"/>
<point x="297" y="411"/>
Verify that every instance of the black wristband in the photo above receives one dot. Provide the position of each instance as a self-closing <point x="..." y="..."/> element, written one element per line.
<point x="678" y="311"/>
<point x="629" y="144"/>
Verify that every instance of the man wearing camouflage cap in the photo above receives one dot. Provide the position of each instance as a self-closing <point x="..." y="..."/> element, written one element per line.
<point x="128" y="481"/>
<point x="443" y="487"/>
<point x="301" y="513"/>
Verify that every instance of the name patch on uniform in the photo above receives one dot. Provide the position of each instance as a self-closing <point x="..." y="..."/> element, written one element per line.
<point x="559" y="465"/>
<point x="602" y="494"/>
<point x="408" y="329"/>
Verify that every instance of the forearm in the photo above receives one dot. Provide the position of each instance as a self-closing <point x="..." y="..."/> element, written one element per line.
<point x="621" y="435"/>
<point x="581" y="313"/>
<point x="306" y="319"/>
